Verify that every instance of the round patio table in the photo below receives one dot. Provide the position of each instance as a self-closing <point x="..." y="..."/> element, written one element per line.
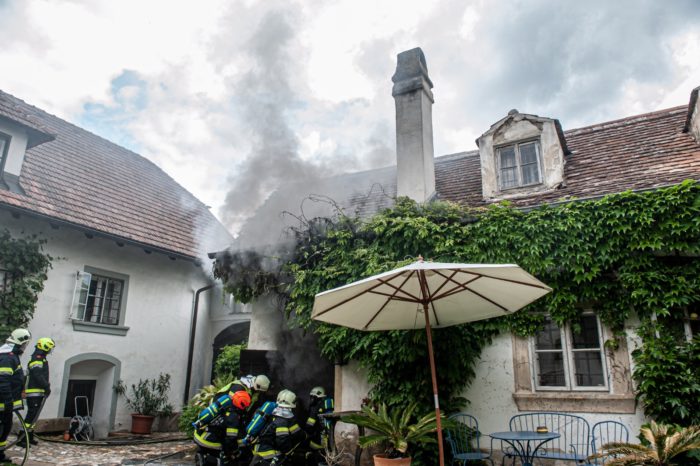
<point x="525" y="443"/>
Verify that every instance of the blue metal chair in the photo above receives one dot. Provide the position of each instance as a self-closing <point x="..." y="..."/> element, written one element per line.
<point x="464" y="440"/>
<point x="606" y="432"/>
<point x="574" y="441"/>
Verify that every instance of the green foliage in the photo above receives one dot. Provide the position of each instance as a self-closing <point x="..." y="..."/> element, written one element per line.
<point x="25" y="267"/>
<point x="228" y="362"/>
<point x="632" y="250"/>
<point x="198" y="402"/>
<point x="397" y="428"/>
<point x="148" y="397"/>
<point x="668" y="377"/>
<point x="662" y="445"/>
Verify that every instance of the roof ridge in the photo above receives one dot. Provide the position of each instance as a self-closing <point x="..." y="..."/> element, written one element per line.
<point x="626" y="120"/>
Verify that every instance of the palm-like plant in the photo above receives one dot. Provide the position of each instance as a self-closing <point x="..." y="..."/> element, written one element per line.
<point x="665" y="444"/>
<point x="395" y="429"/>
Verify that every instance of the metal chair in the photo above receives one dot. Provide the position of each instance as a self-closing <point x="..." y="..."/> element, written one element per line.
<point x="573" y="443"/>
<point x="606" y="432"/>
<point x="464" y="440"/>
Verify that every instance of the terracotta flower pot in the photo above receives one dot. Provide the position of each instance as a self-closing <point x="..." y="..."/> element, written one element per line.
<point x="141" y="424"/>
<point x="382" y="460"/>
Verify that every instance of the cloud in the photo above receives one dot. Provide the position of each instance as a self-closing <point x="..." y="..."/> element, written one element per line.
<point x="237" y="97"/>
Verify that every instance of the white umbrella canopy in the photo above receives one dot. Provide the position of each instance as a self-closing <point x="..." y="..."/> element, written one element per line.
<point x="456" y="293"/>
<point x="426" y="295"/>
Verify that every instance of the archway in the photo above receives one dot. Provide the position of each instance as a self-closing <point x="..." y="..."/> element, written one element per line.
<point x="92" y="375"/>
<point x="234" y="334"/>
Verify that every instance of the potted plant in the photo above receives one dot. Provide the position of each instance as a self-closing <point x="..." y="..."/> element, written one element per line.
<point x="147" y="399"/>
<point x="662" y="446"/>
<point x="394" y="429"/>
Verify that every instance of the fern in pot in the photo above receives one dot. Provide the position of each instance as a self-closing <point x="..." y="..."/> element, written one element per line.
<point x="396" y="430"/>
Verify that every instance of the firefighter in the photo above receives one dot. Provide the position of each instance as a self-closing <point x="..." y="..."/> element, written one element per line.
<point x="282" y="434"/>
<point x="11" y="382"/>
<point x="37" y="387"/>
<point x="249" y="383"/>
<point x="220" y="438"/>
<point x="319" y="429"/>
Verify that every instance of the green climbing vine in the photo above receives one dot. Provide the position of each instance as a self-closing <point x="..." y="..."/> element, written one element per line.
<point x="23" y="271"/>
<point x="623" y="253"/>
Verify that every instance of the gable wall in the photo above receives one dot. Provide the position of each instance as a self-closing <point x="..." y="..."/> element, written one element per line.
<point x="158" y="314"/>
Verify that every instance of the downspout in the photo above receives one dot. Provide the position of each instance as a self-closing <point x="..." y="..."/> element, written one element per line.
<point x="193" y="331"/>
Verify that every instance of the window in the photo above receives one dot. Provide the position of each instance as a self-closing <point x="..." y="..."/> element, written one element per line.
<point x="99" y="301"/>
<point x="519" y="165"/>
<point x="4" y="147"/>
<point x="570" y="358"/>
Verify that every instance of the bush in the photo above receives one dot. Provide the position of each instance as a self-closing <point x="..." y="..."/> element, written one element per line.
<point x="201" y="400"/>
<point x="148" y="397"/>
<point x="228" y="363"/>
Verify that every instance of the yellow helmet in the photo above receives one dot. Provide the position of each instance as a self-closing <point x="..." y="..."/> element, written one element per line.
<point x="45" y="344"/>
<point x="19" y="336"/>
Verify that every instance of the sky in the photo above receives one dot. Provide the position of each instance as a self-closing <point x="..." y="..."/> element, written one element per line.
<point x="232" y="98"/>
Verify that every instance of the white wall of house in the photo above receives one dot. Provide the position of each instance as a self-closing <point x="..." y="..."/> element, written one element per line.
<point x="158" y="314"/>
<point x="491" y="392"/>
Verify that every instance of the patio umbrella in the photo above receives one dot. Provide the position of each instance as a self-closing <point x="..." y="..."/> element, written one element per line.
<point x="429" y="295"/>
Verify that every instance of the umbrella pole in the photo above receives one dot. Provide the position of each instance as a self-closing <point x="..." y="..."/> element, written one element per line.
<point x="435" y="387"/>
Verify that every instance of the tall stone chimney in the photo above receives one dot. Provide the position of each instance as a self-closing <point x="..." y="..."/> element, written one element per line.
<point x="414" y="126"/>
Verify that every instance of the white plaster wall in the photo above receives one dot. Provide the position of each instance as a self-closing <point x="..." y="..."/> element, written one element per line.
<point x="491" y="392"/>
<point x="695" y="120"/>
<point x="354" y="387"/>
<point x="18" y="146"/>
<point x="266" y="324"/>
<point x="158" y="313"/>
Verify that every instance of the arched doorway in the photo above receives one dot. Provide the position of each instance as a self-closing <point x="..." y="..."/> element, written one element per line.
<point x="92" y="375"/>
<point x="234" y="334"/>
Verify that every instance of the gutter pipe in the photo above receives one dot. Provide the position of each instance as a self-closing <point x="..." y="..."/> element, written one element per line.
<point x="190" y="353"/>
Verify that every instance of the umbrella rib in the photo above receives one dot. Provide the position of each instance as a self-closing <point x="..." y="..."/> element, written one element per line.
<point x="388" y="299"/>
<point x="399" y="289"/>
<point x="457" y="288"/>
<point x="395" y="298"/>
<point x="348" y="299"/>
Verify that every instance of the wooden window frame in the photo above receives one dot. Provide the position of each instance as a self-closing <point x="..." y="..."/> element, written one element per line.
<point x="569" y="363"/>
<point x="519" y="165"/>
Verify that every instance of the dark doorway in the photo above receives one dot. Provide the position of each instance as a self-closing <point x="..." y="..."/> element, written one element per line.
<point x="78" y="388"/>
<point x="232" y="335"/>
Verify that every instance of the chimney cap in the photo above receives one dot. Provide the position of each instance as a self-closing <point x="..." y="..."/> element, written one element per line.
<point x="411" y="71"/>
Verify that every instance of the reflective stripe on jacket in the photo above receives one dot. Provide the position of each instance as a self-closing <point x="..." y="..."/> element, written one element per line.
<point x="38" y="375"/>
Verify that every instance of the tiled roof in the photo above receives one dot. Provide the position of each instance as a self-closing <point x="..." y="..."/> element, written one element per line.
<point x="640" y="152"/>
<point x="85" y="181"/>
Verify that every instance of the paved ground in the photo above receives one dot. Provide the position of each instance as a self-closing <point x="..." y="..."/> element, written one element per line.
<point x="171" y="450"/>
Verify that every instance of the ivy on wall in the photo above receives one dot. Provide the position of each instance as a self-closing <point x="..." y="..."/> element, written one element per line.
<point x="23" y="271"/>
<point x="623" y="253"/>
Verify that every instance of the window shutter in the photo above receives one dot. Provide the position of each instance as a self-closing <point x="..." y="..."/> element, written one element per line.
<point x="80" y="295"/>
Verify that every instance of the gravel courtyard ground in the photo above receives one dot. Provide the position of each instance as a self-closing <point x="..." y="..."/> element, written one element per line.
<point x="172" y="450"/>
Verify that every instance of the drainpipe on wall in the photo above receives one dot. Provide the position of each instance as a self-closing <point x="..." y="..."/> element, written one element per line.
<point x="190" y="353"/>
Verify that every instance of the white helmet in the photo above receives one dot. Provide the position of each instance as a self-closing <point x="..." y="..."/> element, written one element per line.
<point x="19" y="336"/>
<point x="287" y="399"/>
<point x="261" y="383"/>
<point x="318" y="392"/>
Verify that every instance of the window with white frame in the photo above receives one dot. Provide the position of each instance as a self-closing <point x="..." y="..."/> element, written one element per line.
<point x="4" y="147"/>
<point x="99" y="297"/>
<point x="519" y="165"/>
<point x="570" y="357"/>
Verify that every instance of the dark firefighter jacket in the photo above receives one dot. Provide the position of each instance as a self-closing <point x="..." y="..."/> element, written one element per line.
<point x="11" y="377"/>
<point x="224" y="433"/>
<point x="38" y="375"/>
<point x="316" y="427"/>
<point x="280" y="436"/>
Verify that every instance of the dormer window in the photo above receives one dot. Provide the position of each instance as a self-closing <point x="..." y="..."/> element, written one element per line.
<point x="4" y="147"/>
<point x="519" y="165"/>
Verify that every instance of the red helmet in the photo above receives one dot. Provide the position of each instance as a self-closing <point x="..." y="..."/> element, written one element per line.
<point x="241" y="400"/>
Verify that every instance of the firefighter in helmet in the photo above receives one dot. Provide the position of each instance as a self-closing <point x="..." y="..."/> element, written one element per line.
<point x="317" y="428"/>
<point x="282" y="434"/>
<point x="37" y="387"/>
<point x="220" y="428"/>
<point x="250" y="383"/>
<point x="11" y="382"/>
